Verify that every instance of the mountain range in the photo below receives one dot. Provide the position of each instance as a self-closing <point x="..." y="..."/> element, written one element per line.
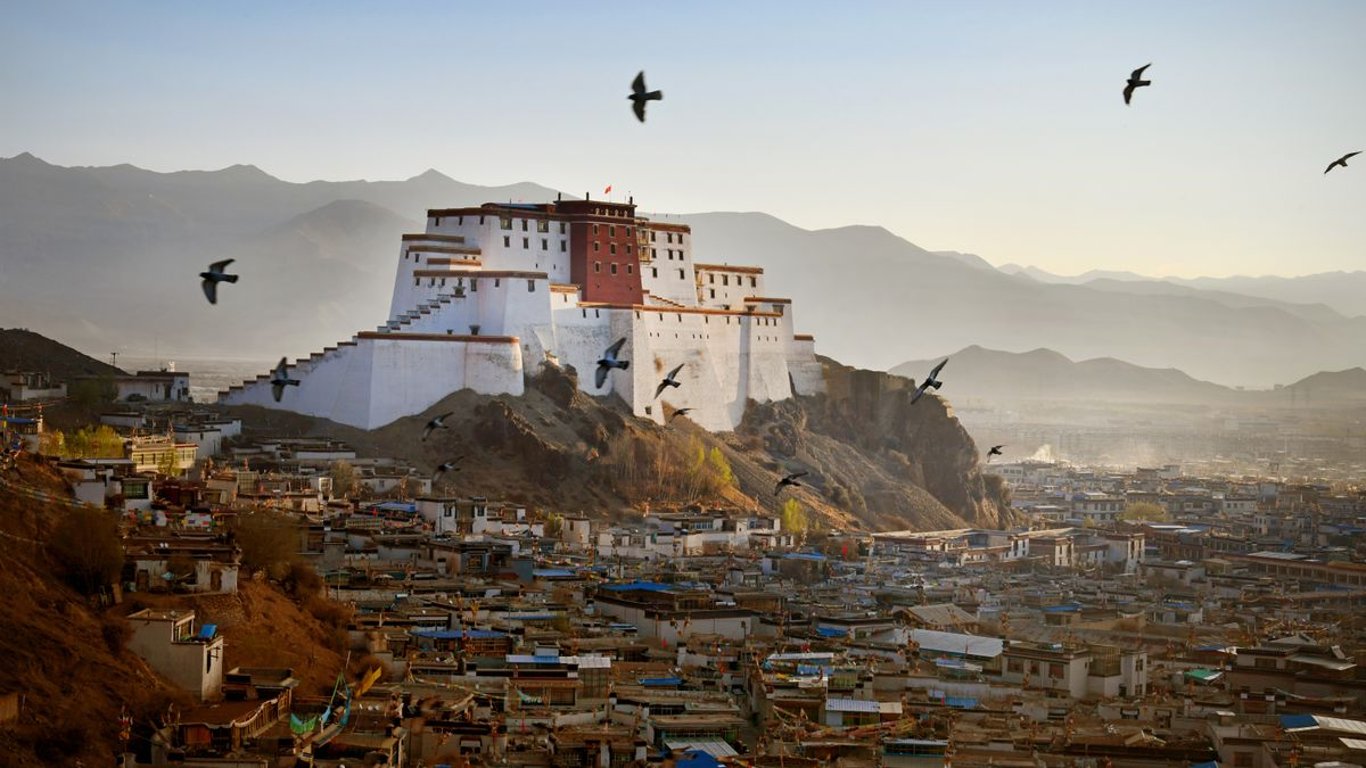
<point x="1046" y="375"/>
<point x="107" y="258"/>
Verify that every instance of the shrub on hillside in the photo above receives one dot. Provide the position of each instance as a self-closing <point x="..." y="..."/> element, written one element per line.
<point x="86" y="545"/>
<point x="269" y="540"/>
<point x="116" y="632"/>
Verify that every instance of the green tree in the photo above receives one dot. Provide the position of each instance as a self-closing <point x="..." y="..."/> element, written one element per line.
<point x="1144" y="511"/>
<point x="343" y="478"/>
<point x="92" y="392"/>
<point x="87" y="545"/>
<point x="167" y="466"/>
<point x="720" y="468"/>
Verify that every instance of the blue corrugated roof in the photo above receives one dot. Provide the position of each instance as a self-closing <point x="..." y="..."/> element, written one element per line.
<point x="660" y="682"/>
<point x="638" y="586"/>
<point x="397" y="506"/>
<point x="961" y="702"/>
<point x="831" y="632"/>
<point x="813" y="556"/>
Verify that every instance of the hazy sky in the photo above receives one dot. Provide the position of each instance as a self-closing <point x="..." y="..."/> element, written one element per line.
<point x="994" y="128"/>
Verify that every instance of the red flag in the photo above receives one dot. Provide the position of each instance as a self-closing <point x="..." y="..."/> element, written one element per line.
<point x="607" y="191"/>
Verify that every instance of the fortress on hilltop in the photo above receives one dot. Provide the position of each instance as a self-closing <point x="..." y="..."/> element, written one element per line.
<point x="487" y="295"/>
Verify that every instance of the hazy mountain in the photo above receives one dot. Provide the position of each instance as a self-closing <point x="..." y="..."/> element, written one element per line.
<point x="1327" y="387"/>
<point x="1343" y="291"/>
<point x="1043" y="374"/>
<point x="875" y="299"/>
<point x="124" y="245"/>
<point x="1313" y="312"/>
<point x="1048" y="277"/>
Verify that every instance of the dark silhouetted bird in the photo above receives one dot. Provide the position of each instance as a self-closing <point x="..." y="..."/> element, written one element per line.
<point x="930" y="381"/>
<point x="789" y="480"/>
<point x="679" y="412"/>
<point x="437" y="422"/>
<point x="1342" y="161"/>
<point x="669" y="381"/>
<point x="213" y="277"/>
<point x="609" y="361"/>
<point x="1136" y="81"/>
<point x="995" y="451"/>
<point x="279" y="379"/>
<point x="639" y="96"/>
<point x="449" y="466"/>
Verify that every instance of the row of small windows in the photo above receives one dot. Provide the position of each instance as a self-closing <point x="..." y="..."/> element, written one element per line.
<point x="526" y="243"/>
<point x="725" y="280"/>
<point x="611" y="248"/>
<point x="474" y="283"/>
<point x="669" y="237"/>
<point x="505" y="222"/>
<point x="612" y="230"/>
<point x="597" y="267"/>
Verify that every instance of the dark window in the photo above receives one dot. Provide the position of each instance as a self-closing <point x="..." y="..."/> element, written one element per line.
<point x="628" y="249"/>
<point x="542" y="225"/>
<point x="681" y="276"/>
<point x="595" y="229"/>
<point x="507" y="241"/>
<point x="671" y="237"/>
<point x="711" y="278"/>
<point x="562" y="246"/>
<point x="474" y="284"/>
<point x="630" y="270"/>
<point x="562" y="227"/>
<point x="531" y="286"/>
<point x="526" y="242"/>
<point x="612" y="248"/>
<point x="713" y="293"/>
<point x="680" y="238"/>
<point x="545" y="244"/>
<point x="523" y="225"/>
<point x="613" y="267"/>
<point x="611" y="230"/>
<point x="654" y="271"/>
<point x="753" y="282"/>
<point x="503" y="222"/>
<point x="596" y="246"/>
<point x="597" y="266"/>
<point x="652" y="236"/>
<point x="725" y="279"/>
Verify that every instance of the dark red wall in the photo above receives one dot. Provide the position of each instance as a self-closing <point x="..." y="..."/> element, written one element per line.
<point x="624" y="286"/>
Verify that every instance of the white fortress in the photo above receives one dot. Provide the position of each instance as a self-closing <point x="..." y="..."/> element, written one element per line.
<point x="487" y="295"/>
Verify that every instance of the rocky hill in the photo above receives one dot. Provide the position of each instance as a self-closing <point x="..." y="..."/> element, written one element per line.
<point x="873" y="462"/>
<point x="24" y="350"/>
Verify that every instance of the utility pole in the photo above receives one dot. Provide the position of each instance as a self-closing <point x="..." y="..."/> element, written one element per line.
<point x="114" y="359"/>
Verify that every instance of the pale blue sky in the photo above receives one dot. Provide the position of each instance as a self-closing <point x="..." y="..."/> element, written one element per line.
<point x="991" y="127"/>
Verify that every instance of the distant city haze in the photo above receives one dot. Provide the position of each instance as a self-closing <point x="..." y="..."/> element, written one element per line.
<point x="992" y="128"/>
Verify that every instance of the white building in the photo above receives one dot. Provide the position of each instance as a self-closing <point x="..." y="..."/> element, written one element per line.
<point x="190" y="658"/>
<point x="487" y="295"/>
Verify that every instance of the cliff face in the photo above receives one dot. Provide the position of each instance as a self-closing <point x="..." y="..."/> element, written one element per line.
<point x="890" y="463"/>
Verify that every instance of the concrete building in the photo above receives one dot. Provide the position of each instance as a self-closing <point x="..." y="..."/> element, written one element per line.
<point x="487" y="295"/>
<point x="189" y="657"/>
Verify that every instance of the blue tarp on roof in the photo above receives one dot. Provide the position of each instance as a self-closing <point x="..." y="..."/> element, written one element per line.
<point x="551" y="573"/>
<point x="207" y="631"/>
<point x="17" y="420"/>
<point x="696" y="758"/>
<point x="661" y="682"/>
<point x="813" y="556"/>
<point x="397" y="506"/>
<point x="961" y="702"/>
<point x="456" y="634"/>
<point x="1064" y="608"/>
<point x="638" y="586"/>
<point x="832" y="632"/>
<point x="1291" y="722"/>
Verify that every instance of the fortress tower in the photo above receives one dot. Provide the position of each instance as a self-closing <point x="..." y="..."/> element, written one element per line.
<point x="488" y="294"/>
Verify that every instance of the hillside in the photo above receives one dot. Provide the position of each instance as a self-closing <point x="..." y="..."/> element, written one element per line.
<point x="68" y="658"/>
<point x="24" y="350"/>
<point x="559" y="449"/>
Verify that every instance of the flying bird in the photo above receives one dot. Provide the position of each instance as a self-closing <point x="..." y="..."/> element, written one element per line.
<point x="1342" y="161"/>
<point x="679" y="412"/>
<point x="1136" y="81"/>
<point x="789" y="480"/>
<point x="437" y="422"/>
<point x="279" y="379"/>
<point x="639" y="96"/>
<point x="213" y="277"/>
<point x="449" y="466"/>
<point x="669" y="381"/>
<point x="930" y="381"/>
<point x="609" y="361"/>
<point x="995" y="451"/>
